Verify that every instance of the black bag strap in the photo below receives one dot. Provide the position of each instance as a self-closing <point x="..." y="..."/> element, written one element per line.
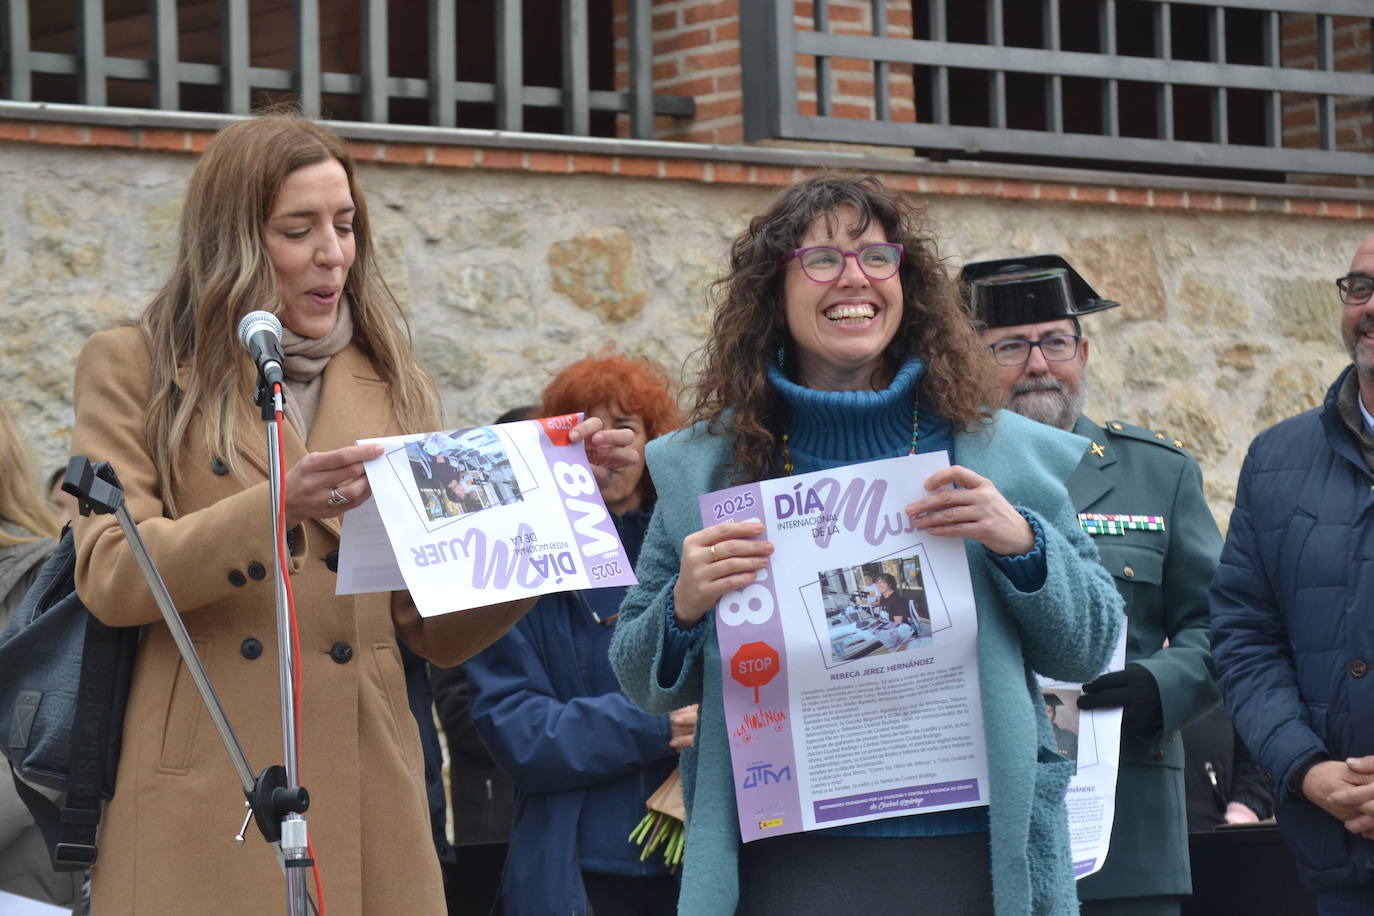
<point x="44" y="810"/>
<point x="70" y="831"/>
<point x="96" y="695"/>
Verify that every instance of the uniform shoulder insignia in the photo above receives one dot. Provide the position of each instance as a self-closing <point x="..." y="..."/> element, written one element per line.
<point x="1122" y="429"/>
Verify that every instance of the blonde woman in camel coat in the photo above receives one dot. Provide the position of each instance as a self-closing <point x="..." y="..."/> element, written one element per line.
<point x="273" y="215"/>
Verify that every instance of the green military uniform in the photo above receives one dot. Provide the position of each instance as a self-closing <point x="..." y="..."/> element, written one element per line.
<point x="1066" y="743"/>
<point x="1162" y="561"/>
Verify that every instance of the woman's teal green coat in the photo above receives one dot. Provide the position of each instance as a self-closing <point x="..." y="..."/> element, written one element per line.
<point x="1066" y="630"/>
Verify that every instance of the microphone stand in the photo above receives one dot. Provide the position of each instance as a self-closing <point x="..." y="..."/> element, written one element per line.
<point x="292" y="836"/>
<point x="273" y="799"/>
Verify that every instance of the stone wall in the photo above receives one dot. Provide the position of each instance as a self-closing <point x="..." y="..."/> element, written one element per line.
<point x="1229" y="323"/>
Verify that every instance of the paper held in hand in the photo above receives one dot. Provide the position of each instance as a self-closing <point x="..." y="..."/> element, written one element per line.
<point x="849" y="668"/>
<point x="471" y="517"/>
<point x="1091" y="738"/>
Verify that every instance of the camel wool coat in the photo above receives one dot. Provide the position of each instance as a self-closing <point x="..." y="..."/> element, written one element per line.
<point x="165" y="844"/>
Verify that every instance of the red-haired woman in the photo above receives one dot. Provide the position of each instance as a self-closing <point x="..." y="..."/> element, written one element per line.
<point x="582" y="756"/>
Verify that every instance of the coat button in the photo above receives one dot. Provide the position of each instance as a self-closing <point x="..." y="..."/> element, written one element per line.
<point x="256" y="571"/>
<point x="1358" y="668"/>
<point x="1129" y="572"/>
<point x="251" y="648"/>
<point x="331" y="560"/>
<point x="1159" y="755"/>
<point x="1269" y="778"/>
<point x="237" y="578"/>
<point x="218" y="468"/>
<point x="341" y="652"/>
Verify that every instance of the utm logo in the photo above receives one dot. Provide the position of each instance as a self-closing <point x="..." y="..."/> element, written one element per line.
<point x="761" y="774"/>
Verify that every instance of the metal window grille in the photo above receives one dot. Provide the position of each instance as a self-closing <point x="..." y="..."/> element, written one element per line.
<point x="1150" y="105"/>
<point x="374" y="91"/>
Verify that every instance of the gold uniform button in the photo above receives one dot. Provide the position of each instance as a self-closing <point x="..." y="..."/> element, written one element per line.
<point x="1116" y="426"/>
<point x="1130" y="573"/>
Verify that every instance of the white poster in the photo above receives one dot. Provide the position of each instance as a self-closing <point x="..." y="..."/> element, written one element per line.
<point x="1091" y="738"/>
<point x="850" y="669"/>
<point x="471" y="517"/>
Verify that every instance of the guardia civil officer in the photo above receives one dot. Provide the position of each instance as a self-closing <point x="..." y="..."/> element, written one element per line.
<point x="1139" y="495"/>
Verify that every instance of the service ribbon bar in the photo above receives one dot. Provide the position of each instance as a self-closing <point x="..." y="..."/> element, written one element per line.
<point x="1098" y="523"/>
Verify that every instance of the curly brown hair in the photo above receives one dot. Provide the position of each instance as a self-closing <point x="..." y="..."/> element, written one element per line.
<point x="749" y="324"/>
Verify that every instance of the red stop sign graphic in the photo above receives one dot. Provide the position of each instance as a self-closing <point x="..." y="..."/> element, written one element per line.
<point x="754" y="664"/>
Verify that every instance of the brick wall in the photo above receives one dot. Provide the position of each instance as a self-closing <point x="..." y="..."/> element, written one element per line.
<point x="697" y="54"/>
<point x="1354" y="116"/>
<point x="924" y="179"/>
<point x="852" y="82"/>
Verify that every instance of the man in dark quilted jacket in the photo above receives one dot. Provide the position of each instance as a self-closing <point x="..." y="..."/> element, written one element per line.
<point x="1293" y="616"/>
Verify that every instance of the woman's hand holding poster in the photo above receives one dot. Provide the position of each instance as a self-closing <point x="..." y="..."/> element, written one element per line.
<point x="477" y="516"/>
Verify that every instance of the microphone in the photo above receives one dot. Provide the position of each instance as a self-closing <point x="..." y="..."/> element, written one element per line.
<point x="260" y="334"/>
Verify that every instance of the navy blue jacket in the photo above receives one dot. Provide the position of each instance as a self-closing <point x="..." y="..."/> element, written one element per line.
<point x="1292" y="609"/>
<point x="582" y="756"/>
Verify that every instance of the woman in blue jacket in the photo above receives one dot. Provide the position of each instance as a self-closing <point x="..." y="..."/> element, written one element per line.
<point x="583" y="757"/>
<point x="839" y="338"/>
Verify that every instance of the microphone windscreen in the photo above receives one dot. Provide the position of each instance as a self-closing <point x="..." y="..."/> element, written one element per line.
<point x="254" y="322"/>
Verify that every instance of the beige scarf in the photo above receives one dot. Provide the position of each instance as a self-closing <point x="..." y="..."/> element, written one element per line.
<point x="304" y="365"/>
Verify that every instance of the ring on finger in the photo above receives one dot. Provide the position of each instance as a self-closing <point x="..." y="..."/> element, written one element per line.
<point x="337" y="499"/>
<point x="714" y="555"/>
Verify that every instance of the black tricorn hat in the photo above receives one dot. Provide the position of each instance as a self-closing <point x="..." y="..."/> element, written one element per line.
<point x="1053" y="699"/>
<point x="1028" y="290"/>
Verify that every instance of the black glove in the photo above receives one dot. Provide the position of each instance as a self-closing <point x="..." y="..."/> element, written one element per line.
<point x="1135" y="691"/>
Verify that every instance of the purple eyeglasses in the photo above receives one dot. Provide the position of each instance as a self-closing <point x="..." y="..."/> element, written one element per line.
<point x="825" y="264"/>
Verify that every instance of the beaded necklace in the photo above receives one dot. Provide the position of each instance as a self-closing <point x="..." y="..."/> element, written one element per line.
<point x="915" y="434"/>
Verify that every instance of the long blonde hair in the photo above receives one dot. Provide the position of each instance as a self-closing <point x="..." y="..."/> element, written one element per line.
<point x="223" y="272"/>
<point x="21" y="502"/>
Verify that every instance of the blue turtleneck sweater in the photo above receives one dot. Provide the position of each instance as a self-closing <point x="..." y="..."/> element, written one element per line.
<point x="828" y="429"/>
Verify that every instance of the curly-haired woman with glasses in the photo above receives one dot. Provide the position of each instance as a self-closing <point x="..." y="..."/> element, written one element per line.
<point x="838" y="338"/>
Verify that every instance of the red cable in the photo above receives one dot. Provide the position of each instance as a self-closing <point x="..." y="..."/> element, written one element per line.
<point x="283" y="563"/>
<point x="319" y="885"/>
